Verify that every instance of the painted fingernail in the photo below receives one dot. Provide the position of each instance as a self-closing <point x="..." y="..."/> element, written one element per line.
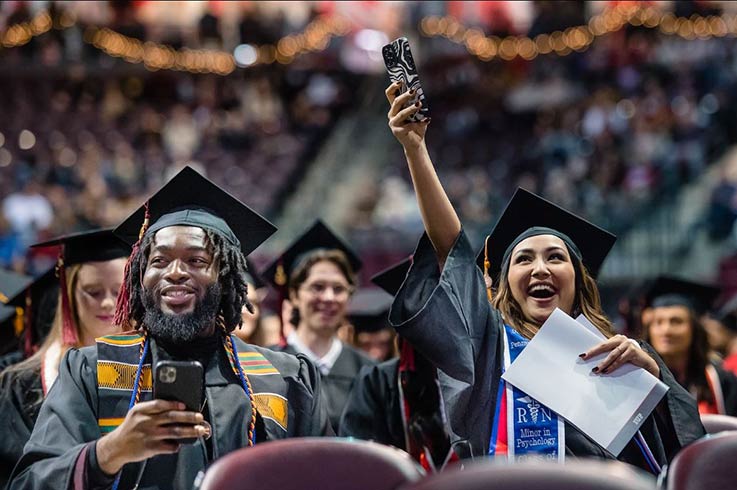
<point x="582" y="355"/>
<point x="418" y="104"/>
<point x="411" y="92"/>
<point x="595" y="370"/>
<point x="427" y="120"/>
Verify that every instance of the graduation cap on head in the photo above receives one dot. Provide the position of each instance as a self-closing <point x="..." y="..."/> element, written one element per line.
<point x="11" y="284"/>
<point x="391" y="278"/>
<point x="672" y="291"/>
<point x="727" y="314"/>
<point x="38" y="301"/>
<point x="369" y="309"/>
<point x="528" y="214"/>
<point x="78" y="248"/>
<point x="190" y="199"/>
<point x="317" y="237"/>
<point x="88" y="246"/>
<point x="253" y="276"/>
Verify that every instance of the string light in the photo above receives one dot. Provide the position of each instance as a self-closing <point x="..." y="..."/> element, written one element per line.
<point x="21" y="33"/>
<point x="579" y="38"/>
<point x="316" y="37"/>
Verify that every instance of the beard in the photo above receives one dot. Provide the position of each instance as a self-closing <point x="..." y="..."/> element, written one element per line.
<point x="184" y="328"/>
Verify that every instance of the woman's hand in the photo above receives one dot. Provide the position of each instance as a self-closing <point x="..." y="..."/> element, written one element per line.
<point x="410" y="134"/>
<point x="621" y="350"/>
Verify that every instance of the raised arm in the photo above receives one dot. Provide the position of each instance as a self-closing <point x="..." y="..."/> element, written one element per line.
<point x="440" y="219"/>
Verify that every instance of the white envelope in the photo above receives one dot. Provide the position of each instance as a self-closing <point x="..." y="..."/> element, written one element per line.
<point x="608" y="408"/>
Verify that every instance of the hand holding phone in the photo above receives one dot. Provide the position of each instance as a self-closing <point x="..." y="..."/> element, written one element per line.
<point x="181" y="381"/>
<point x="401" y="67"/>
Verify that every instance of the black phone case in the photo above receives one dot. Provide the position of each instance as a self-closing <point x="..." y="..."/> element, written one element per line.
<point x="180" y="381"/>
<point x="401" y="67"/>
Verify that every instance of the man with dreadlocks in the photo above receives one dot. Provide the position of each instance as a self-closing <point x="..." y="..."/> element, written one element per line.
<point x="183" y="295"/>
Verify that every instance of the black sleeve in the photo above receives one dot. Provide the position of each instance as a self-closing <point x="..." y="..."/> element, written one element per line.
<point x="372" y="411"/>
<point x="444" y="313"/>
<point x="309" y="402"/>
<point x="66" y="424"/>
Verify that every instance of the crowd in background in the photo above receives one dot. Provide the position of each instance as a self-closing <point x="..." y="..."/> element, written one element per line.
<point x="607" y="131"/>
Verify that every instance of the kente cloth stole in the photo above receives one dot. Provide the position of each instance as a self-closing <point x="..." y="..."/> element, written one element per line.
<point x="523" y="428"/>
<point x="117" y="363"/>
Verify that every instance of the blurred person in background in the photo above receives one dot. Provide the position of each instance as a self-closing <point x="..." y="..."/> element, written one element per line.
<point x="254" y="329"/>
<point x="676" y="332"/>
<point x="318" y="271"/>
<point x="90" y="275"/>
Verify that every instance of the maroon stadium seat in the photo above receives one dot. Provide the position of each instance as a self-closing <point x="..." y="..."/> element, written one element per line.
<point x="707" y="464"/>
<point x="574" y="475"/>
<point x="313" y="463"/>
<point x="718" y="423"/>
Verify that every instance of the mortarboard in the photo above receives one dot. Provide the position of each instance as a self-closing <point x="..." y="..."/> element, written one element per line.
<point x="672" y="291"/>
<point x="727" y="314"/>
<point x="190" y="199"/>
<point x="78" y="248"/>
<point x="39" y="301"/>
<point x="527" y="211"/>
<point x="368" y="310"/>
<point x="391" y="278"/>
<point x="317" y="237"/>
<point x="11" y="284"/>
<point x="253" y="277"/>
<point x="88" y="246"/>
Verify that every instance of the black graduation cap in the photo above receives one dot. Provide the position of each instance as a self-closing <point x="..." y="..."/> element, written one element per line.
<point x="673" y="291"/>
<point x="368" y="310"/>
<point x="42" y="291"/>
<point x="11" y="284"/>
<point x="526" y="210"/>
<point x="391" y="278"/>
<point x="317" y="237"/>
<point x="727" y="314"/>
<point x="253" y="276"/>
<point x="190" y="199"/>
<point x="88" y="246"/>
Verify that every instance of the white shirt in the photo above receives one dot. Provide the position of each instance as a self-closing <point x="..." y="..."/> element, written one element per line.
<point x="324" y="363"/>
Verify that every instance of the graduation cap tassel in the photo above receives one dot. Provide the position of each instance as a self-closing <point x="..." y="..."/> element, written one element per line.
<point x="69" y="334"/>
<point x="122" y="304"/>
<point x="487" y="265"/>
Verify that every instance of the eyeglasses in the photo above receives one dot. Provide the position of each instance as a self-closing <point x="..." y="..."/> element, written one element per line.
<point x="320" y="288"/>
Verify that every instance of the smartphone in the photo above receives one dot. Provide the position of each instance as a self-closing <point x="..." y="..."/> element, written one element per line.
<point x="401" y="67"/>
<point x="180" y="381"/>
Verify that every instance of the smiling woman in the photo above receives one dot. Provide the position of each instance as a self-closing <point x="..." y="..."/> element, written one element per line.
<point x="90" y="272"/>
<point x="471" y="327"/>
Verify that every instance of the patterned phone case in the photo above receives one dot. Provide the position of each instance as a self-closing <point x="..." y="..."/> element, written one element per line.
<point x="401" y="67"/>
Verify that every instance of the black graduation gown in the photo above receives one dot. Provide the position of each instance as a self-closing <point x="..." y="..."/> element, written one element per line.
<point x="68" y="422"/>
<point x="337" y="384"/>
<point x="446" y="316"/>
<point x="728" y="382"/>
<point x="21" y="395"/>
<point x="373" y="410"/>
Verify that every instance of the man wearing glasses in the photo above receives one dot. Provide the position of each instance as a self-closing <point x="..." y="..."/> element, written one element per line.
<point x="317" y="273"/>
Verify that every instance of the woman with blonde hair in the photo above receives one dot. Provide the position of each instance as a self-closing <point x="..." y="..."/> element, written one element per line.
<point x="90" y="271"/>
<point x="543" y="258"/>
